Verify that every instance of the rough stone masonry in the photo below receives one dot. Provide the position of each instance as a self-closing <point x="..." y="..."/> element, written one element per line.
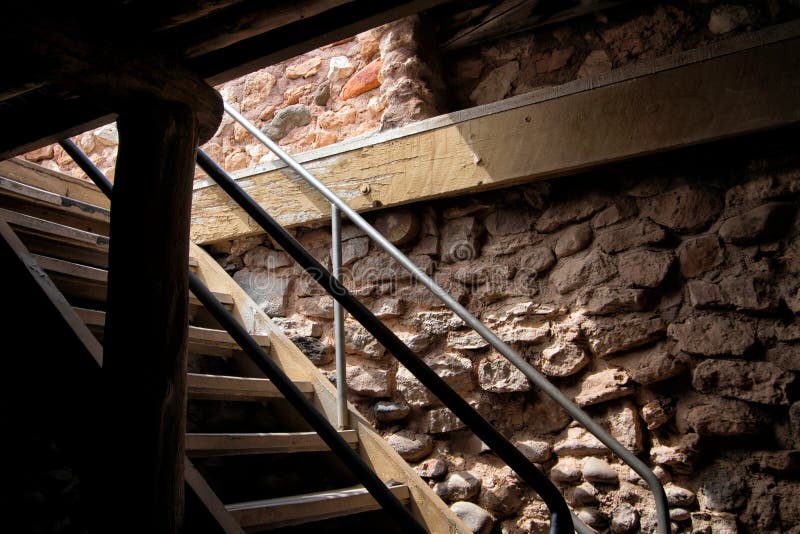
<point x="664" y="303"/>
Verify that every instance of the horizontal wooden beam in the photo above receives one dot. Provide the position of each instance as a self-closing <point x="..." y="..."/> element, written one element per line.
<point x="705" y="95"/>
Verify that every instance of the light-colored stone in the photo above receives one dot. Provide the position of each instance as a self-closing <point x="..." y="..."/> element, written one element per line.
<point x="442" y="420"/>
<point x="478" y="520"/>
<point x="354" y="249"/>
<point x="411" y="446"/>
<point x="570" y="211"/>
<point x="625" y="519"/>
<point x="357" y="340"/>
<point x="265" y="258"/>
<point x="305" y="68"/>
<point x="566" y="470"/>
<point x="458" y="486"/>
<point x="536" y="260"/>
<point x="581" y="495"/>
<point x="388" y="307"/>
<point x="578" y="443"/>
<point x="714" y="523"/>
<point x="470" y="340"/>
<point x="270" y="292"/>
<point x="623" y="333"/>
<point x="339" y="68"/>
<point x="369" y="382"/>
<point x="319" y="306"/>
<point x="433" y="468"/>
<point x="599" y="471"/>
<point x="678" y="496"/>
<point x="561" y="359"/>
<point x="498" y="375"/>
<point x="603" y="386"/>
<point x="657" y="412"/>
<point x="412" y="390"/>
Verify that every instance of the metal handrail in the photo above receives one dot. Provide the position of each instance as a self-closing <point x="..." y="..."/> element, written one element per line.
<point x="662" y="507"/>
<point x="377" y="488"/>
<point x="561" y="521"/>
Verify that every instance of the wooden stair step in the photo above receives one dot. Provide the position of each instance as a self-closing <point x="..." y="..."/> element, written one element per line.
<point x="89" y="282"/>
<point x="200" y="339"/>
<point x="45" y="237"/>
<point x="309" y="507"/>
<point x="200" y="444"/>
<point x="44" y="204"/>
<point x="218" y="387"/>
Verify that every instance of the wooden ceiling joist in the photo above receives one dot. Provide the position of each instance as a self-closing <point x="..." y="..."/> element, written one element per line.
<point x="740" y="86"/>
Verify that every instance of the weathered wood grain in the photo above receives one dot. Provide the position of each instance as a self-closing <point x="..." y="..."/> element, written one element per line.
<point x="670" y="103"/>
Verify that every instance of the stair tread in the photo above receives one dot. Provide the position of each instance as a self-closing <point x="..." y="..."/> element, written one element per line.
<point x="42" y="196"/>
<point x="54" y="230"/>
<point x="221" y="387"/>
<point x="97" y="276"/>
<point x="223" y="444"/>
<point x="197" y="334"/>
<point x="309" y="507"/>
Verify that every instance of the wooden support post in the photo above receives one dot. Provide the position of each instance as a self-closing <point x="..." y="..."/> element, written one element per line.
<point x="146" y="323"/>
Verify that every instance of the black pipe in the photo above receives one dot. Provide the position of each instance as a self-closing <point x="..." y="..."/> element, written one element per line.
<point x="379" y="491"/>
<point x="86" y="165"/>
<point x="561" y="520"/>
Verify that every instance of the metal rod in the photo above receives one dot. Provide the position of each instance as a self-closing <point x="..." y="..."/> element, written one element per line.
<point x="338" y="321"/>
<point x="86" y="165"/>
<point x="662" y="508"/>
<point x="296" y="398"/>
<point x="561" y="520"/>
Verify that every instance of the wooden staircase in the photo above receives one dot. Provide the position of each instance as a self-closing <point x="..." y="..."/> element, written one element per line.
<point x="253" y="463"/>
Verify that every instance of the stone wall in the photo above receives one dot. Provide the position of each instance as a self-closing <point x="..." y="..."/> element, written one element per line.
<point x="661" y="296"/>
<point x="377" y="79"/>
<point x="594" y="45"/>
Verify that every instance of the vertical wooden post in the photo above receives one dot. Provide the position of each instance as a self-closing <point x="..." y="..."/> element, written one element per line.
<point x="147" y="322"/>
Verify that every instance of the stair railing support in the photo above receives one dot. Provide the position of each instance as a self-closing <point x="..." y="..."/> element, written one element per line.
<point x="338" y="321"/>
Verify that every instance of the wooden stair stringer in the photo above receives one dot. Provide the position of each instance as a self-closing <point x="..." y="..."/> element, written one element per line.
<point x="426" y="506"/>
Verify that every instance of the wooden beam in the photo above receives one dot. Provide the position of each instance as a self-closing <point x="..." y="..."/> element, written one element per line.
<point x="652" y="107"/>
<point x="146" y="331"/>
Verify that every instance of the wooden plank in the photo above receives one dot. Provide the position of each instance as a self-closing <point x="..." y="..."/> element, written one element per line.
<point x="207" y="496"/>
<point x="59" y="183"/>
<point x="53" y="294"/>
<point x="659" y="106"/>
<point x="310" y="507"/>
<point x="98" y="278"/>
<point x="80" y="214"/>
<point x="217" y="387"/>
<point x="198" y="444"/>
<point x="425" y="505"/>
<point x="200" y="339"/>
